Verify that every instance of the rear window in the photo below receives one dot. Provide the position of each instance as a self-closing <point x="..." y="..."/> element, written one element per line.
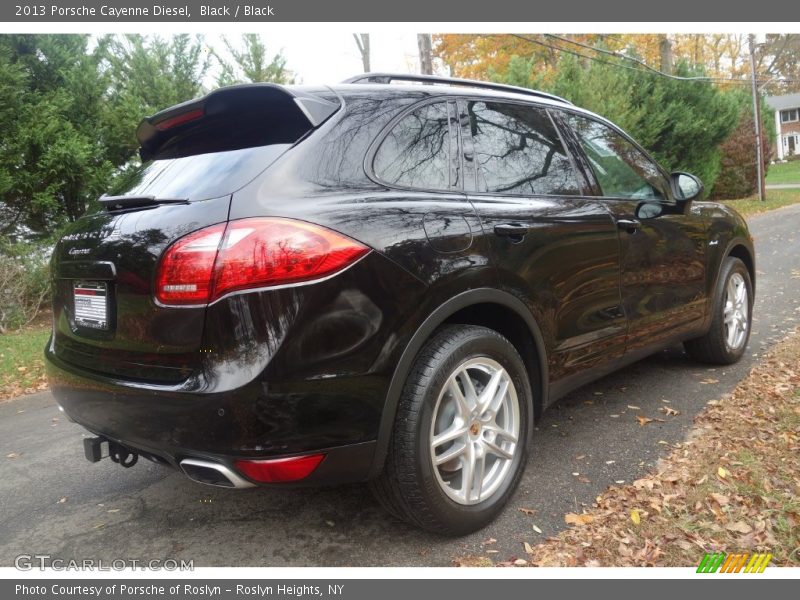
<point x="417" y="151"/>
<point x="197" y="177"/>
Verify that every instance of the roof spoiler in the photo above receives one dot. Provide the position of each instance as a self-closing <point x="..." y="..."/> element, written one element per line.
<point x="295" y="109"/>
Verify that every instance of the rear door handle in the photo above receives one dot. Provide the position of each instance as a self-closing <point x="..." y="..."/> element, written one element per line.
<point x="629" y="225"/>
<point x="511" y="230"/>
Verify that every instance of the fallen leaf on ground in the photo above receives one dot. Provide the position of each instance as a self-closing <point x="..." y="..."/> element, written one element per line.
<point x="670" y="412"/>
<point x="723" y="472"/>
<point x="632" y="407"/>
<point x="528" y="511"/>
<point x="12" y="455"/>
<point x="739" y="527"/>
<point x="536" y="529"/>
<point x="643" y="420"/>
<point x="720" y="499"/>
<point x="635" y="517"/>
<point x="709" y="381"/>
<point x="528" y="548"/>
<point x="473" y="561"/>
<point x="576" y="519"/>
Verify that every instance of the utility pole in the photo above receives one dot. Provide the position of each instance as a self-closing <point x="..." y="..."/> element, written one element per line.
<point x="762" y="191"/>
<point x="425" y="53"/>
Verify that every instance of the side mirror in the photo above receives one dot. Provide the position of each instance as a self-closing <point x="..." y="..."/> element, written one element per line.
<point x="686" y="186"/>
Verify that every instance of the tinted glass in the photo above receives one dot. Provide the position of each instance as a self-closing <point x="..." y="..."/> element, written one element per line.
<point x="197" y="177"/>
<point x="416" y="153"/>
<point x="621" y="169"/>
<point x="518" y="151"/>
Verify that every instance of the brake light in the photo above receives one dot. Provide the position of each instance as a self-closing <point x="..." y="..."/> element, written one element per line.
<point x="250" y="253"/>
<point x="180" y="119"/>
<point x="280" y="470"/>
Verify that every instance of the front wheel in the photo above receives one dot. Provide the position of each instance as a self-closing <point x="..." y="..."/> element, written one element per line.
<point x="459" y="444"/>
<point x="726" y="341"/>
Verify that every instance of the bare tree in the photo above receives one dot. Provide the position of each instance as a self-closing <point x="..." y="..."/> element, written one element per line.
<point x="425" y="53"/>
<point x="362" y="41"/>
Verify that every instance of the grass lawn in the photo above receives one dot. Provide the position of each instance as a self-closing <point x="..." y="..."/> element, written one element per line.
<point x="775" y="199"/>
<point x="21" y="361"/>
<point x="788" y="172"/>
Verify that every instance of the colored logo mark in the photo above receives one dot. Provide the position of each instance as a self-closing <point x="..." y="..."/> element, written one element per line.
<point x="734" y="563"/>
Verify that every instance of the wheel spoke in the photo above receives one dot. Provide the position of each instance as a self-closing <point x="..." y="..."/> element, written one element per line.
<point x="500" y="432"/>
<point x="741" y="294"/>
<point x="458" y="397"/>
<point x="468" y="472"/>
<point x="470" y="395"/>
<point x="488" y="393"/>
<point x="478" y="475"/>
<point x="454" y="432"/>
<point x="451" y="453"/>
<point x="498" y="451"/>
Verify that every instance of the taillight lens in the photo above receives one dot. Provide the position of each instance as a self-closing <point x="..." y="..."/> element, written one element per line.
<point x="186" y="270"/>
<point x="250" y="253"/>
<point x="279" y="470"/>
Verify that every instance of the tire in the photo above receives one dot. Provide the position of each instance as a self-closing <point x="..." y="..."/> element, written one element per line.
<point x="719" y="346"/>
<point x="436" y="497"/>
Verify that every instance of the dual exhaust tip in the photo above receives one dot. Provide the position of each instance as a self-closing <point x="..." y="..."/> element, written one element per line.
<point x="213" y="473"/>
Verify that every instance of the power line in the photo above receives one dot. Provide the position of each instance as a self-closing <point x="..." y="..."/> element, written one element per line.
<point x="640" y="63"/>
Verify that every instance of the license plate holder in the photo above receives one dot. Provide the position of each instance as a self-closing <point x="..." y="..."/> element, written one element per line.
<point x="91" y="304"/>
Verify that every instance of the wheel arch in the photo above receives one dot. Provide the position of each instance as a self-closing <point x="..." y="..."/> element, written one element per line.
<point x="489" y="307"/>
<point x="743" y="253"/>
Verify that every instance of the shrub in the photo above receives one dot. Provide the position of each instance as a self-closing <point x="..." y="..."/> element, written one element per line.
<point x="24" y="283"/>
<point x="738" y="177"/>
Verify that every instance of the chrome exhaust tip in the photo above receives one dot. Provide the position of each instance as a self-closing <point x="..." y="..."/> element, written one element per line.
<point x="213" y="473"/>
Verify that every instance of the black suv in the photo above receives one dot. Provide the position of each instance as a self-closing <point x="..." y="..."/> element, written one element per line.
<point x="384" y="283"/>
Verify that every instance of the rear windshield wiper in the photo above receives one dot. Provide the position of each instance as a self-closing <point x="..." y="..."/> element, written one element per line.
<point x="120" y="202"/>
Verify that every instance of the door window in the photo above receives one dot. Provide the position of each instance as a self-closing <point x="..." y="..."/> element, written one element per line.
<point x="417" y="151"/>
<point x="518" y="151"/>
<point x="621" y="169"/>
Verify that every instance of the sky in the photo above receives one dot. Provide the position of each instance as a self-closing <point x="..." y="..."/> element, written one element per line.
<point x="326" y="58"/>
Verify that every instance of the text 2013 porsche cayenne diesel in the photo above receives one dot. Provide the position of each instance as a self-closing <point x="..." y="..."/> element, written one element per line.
<point x="308" y="285"/>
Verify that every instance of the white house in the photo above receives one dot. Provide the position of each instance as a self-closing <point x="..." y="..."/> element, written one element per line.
<point x="787" y="124"/>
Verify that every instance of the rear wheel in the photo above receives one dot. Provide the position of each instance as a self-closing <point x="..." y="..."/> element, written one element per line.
<point x="726" y="341"/>
<point x="458" y="446"/>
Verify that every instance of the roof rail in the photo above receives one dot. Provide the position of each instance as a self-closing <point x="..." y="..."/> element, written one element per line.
<point x="431" y="79"/>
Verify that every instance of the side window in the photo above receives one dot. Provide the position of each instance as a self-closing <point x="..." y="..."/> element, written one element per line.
<point x="417" y="151"/>
<point x="518" y="151"/>
<point x="621" y="169"/>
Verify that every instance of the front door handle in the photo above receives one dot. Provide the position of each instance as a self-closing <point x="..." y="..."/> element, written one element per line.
<point x="629" y="225"/>
<point x="512" y="230"/>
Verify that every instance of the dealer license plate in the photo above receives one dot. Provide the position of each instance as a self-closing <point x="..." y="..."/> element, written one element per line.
<point x="91" y="304"/>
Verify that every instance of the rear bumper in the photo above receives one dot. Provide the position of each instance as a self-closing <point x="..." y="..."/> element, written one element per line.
<point x="170" y="426"/>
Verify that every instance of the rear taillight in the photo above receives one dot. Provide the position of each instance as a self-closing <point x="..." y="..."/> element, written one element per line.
<point x="250" y="253"/>
<point x="279" y="470"/>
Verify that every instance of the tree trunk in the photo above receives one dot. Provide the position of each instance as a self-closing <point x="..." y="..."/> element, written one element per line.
<point x="425" y="53"/>
<point x="362" y="41"/>
<point x="665" y="49"/>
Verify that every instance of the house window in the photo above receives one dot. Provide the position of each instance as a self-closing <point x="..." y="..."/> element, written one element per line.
<point x="788" y="116"/>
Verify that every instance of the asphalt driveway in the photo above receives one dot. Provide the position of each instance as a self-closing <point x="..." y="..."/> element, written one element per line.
<point x="56" y="503"/>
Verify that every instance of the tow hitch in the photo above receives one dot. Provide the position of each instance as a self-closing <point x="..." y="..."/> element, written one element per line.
<point x="98" y="448"/>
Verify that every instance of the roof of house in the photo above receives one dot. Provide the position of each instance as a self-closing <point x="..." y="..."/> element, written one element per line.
<point x="783" y="102"/>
